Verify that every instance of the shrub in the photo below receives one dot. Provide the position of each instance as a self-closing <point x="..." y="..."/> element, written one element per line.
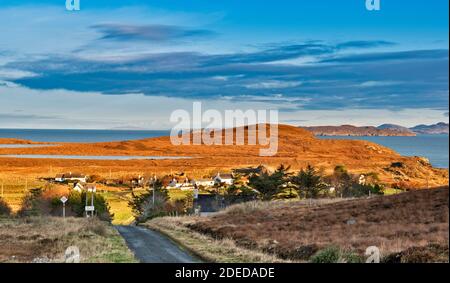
<point x="77" y="203"/>
<point x="357" y="190"/>
<point x="238" y="194"/>
<point x="327" y="255"/>
<point x="5" y="210"/>
<point x="335" y="255"/>
<point x="143" y="206"/>
<point x="30" y="203"/>
<point x="351" y="257"/>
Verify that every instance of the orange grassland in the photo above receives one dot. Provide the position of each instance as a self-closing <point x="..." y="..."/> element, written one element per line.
<point x="296" y="147"/>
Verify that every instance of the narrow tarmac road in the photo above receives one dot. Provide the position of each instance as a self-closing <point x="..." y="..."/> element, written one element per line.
<point x="152" y="247"/>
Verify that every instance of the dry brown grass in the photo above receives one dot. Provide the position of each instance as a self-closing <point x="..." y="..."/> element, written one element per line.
<point x="45" y="239"/>
<point x="295" y="230"/>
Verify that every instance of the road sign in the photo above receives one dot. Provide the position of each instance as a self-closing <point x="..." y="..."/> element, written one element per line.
<point x="195" y="193"/>
<point x="63" y="199"/>
<point x="89" y="208"/>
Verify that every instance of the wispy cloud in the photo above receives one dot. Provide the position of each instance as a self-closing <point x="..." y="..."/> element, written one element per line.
<point x="273" y="85"/>
<point x="153" y="33"/>
<point x="386" y="56"/>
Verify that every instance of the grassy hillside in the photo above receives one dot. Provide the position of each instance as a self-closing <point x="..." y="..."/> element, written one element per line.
<point x="45" y="239"/>
<point x="415" y="223"/>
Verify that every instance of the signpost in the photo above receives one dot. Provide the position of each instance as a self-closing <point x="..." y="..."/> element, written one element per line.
<point x="91" y="207"/>
<point x="64" y="199"/>
<point x="195" y="193"/>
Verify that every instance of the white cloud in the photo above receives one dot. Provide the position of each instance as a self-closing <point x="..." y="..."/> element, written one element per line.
<point x="378" y="83"/>
<point x="6" y="74"/>
<point x="273" y="85"/>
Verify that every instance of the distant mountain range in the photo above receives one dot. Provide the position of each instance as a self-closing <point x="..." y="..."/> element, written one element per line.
<point x="436" y="129"/>
<point x="382" y="130"/>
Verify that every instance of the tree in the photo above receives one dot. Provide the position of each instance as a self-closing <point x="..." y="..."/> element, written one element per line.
<point x="145" y="206"/>
<point x="77" y="202"/>
<point x="341" y="180"/>
<point x="309" y="183"/>
<point x="268" y="185"/>
<point x="5" y="210"/>
<point x="239" y="193"/>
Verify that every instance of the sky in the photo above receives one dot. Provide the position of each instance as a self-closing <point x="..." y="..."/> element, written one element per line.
<point x="130" y="64"/>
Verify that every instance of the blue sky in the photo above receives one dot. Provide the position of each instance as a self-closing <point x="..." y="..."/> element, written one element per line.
<point x="120" y="63"/>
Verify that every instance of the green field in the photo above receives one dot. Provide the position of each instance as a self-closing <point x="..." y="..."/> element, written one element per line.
<point x="118" y="202"/>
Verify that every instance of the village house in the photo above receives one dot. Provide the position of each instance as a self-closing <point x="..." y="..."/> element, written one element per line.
<point x="223" y="178"/>
<point x="71" y="177"/>
<point x="79" y="187"/>
<point x="137" y="182"/>
<point x="203" y="182"/>
<point x="176" y="182"/>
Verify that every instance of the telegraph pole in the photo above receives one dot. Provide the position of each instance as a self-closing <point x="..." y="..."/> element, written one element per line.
<point x="86" y="202"/>
<point x="154" y="192"/>
<point x="92" y="203"/>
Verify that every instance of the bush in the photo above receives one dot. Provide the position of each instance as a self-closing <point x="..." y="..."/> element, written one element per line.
<point x="238" y="194"/>
<point x="31" y="203"/>
<point x="5" y="210"/>
<point x="77" y="203"/>
<point x="335" y="255"/>
<point x="143" y="206"/>
<point x="357" y="190"/>
<point x="327" y="255"/>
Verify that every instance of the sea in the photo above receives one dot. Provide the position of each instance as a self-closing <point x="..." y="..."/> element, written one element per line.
<point x="79" y="136"/>
<point x="433" y="147"/>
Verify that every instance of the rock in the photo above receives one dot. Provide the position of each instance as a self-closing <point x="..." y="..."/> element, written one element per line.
<point x="423" y="161"/>
<point x="351" y="221"/>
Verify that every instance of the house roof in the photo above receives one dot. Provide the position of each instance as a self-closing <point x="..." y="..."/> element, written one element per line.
<point x="225" y="175"/>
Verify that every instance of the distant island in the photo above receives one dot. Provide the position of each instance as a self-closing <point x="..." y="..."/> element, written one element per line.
<point x="382" y="130"/>
<point x="436" y="129"/>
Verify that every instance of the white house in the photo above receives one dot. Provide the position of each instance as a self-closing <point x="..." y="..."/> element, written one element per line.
<point x="78" y="187"/>
<point x="204" y="182"/>
<point x="222" y="178"/>
<point x="71" y="177"/>
<point x="179" y="182"/>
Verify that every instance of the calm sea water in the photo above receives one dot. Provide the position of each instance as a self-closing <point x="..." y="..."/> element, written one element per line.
<point x="79" y="135"/>
<point x="433" y="147"/>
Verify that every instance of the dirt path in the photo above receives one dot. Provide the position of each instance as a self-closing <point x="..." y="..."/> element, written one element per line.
<point x="152" y="247"/>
